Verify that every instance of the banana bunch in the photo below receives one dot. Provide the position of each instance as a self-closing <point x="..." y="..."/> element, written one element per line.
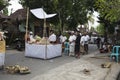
<point x="24" y="70"/>
<point x="106" y="65"/>
<point x="12" y="69"/>
<point x="17" y="69"/>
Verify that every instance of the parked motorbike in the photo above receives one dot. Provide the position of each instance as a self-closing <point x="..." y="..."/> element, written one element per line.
<point x="19" y="44"/>
<point x="15" y="42"/>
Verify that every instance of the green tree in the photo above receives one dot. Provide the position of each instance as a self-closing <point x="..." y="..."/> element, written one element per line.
<point x="109" y="14"/>
<point x="70" y="12"/>
<point x="3" y="4"/>
<point x="100" y="29"/>
<point x="90" y="20"/>
<point x="109" y="9"/>
<point x="79" y="12"/>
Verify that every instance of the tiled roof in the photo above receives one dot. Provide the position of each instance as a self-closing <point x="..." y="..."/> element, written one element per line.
<point x="20" y="14"/>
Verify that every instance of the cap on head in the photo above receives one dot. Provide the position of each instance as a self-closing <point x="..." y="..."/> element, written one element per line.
<point x="31" y="32"/>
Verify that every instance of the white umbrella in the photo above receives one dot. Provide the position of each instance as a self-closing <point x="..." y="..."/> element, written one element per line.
<point x="41" y="14"/>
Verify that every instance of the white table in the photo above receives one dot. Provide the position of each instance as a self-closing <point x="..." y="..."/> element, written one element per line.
<point x="43" y="51"/>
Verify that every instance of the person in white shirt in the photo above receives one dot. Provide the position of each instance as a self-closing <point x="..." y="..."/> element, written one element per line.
<point x="87" y="38"/>
<point x="52" y="37"/>
<point x="102" y="41"/>
<point x="63" y="39"/>
<point x="82" y="43"/>
<point x="72" y="39"/>
<point x="31" y="37"/>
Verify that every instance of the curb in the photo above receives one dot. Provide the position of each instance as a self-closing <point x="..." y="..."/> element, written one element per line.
<point x="113" y="72"/>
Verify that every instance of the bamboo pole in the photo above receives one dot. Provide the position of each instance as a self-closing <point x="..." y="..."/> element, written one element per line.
<point x="44" y="30"/>
<point x="44" y="36"/>
<point x="27" y="24"/>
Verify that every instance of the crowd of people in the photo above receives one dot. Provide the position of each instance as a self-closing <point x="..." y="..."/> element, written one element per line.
<point x="104" y="46"/>
<point x="77" y="42"/>
<point x="31" y="38"/>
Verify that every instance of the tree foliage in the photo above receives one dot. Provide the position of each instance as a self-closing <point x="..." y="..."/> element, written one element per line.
<point x="100" y="29"/>
<point x="109" y="14"/>
<point x="80" y="10"/>
<point x="70" y="12"/>
<point x="109" y="9"/>
<point x="3" y="4"/>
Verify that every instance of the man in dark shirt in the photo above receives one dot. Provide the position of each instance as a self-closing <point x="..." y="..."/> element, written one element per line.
<point x="98" y="42"/>
<point x="77" y="45"/>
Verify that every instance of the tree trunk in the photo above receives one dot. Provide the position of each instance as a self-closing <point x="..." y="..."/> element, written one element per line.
<point x="106" y="32"/>
<point x="60" y="21"/>
<point x="62" y="25"/>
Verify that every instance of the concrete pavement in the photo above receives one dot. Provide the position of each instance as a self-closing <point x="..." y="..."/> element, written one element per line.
<point x="75" y="69"/>
<point x="64" y="67"/>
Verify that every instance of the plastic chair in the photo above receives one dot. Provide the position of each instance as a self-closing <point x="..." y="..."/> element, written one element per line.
<point x="66" y="49"/>
<point x="115" y="53"/>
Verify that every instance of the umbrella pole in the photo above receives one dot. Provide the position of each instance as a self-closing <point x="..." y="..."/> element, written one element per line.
<point x="27" y="23"/>
<point x="44" y="36"/>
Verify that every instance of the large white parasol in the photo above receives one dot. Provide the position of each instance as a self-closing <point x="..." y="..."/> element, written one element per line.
<point x="41" y="14"/>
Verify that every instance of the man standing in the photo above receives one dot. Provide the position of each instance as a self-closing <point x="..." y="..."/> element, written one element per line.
<point x="52" y="37"/>
<point x="82" y="43"/>
<point x="77" y="45"/>
<point x="72" y="39"/>
<point x="86" y="38"/>
<point x="98" y="40"/>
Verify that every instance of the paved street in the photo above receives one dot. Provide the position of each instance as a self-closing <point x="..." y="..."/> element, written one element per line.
<point x="38" y="66"/>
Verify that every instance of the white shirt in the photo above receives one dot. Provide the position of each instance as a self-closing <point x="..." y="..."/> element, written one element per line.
<point x="72" y="38"/>
<point x="87" y="38"/>
<point x="52" y="37"/>
<point x="102" y="39"/>
<point x="82" y="41"/>
<point x="31" y="38"/>
<point x="64" y="38"/>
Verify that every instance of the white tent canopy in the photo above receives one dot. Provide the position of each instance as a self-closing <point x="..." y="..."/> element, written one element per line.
<point x="41" y="14"/>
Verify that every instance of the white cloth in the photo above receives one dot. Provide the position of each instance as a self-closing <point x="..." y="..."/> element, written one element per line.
<point x="82" y="41"/>
<point x="63" y="39"/>
<point x="43" y="51"/>
<point x="61" y="36"/>
<point x="86" y="38"/>
<point x="105" y="47"/>
<point x="2" y="59"/>
<point x="32" y="38"/>
<point x="72" y="47"/>
<point x="41" y="14"/>
<point x="72" y="39"/>
<point x="52" y="37"/>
